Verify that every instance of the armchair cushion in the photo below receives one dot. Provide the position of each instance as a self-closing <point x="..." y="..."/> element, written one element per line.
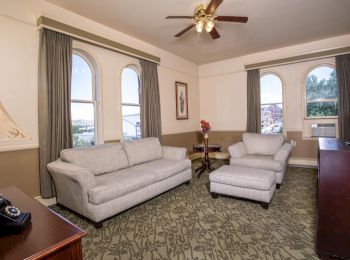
<point x="263" y="144"/>
<point x="144" y="150"/>
<point x="237" y="150"/>
<point x="265" y="162"/>
<point x="99" y="159"/>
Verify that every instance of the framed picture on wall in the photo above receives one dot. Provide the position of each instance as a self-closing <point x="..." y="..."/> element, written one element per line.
<point x="181" y="100"/>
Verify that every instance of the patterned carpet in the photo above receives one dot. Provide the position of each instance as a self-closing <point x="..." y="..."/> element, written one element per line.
<point x="186" y="223"/>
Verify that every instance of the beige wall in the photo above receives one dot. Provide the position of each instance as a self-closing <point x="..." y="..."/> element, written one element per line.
<point x="19" y="43"/>
<point x="21" y="169"/>
<point x="223" y="92"/>
<point x="217" y="91"/>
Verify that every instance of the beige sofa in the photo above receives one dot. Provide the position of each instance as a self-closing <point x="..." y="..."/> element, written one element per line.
<point x="101" y="181"/>
<point x="262" y="151"/>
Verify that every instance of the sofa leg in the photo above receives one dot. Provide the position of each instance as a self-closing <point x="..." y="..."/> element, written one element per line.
<point x="265" y="205"/>
<point x="214" y="195"/>
<point x="98" y="225"/>
<point x="188" y="182"/>
<point x="278" y="186"/>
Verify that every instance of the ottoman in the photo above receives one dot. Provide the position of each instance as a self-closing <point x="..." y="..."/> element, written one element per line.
<point x="243" y="182"/>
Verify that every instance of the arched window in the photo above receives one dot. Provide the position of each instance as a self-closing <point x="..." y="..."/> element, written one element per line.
<point x="83" y="102"/>
<point x="321" y="92"/>
<point x="271" y="95"/>
<point x="131" y="104"/>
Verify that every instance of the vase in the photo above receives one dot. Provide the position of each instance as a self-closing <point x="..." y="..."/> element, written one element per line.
<point x="206" y="140"/>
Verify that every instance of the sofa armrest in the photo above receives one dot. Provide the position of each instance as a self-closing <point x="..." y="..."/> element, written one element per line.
<point x="283" y="153"/>
<point x="237" y="150"/>
<point x="82" y="176"/>
<point x="174" y="153"/>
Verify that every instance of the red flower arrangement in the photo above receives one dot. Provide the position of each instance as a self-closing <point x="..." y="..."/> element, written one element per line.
<point x="205" y="126"/>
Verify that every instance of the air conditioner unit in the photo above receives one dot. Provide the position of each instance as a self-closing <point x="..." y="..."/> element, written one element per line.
<point x="323" y="130"/>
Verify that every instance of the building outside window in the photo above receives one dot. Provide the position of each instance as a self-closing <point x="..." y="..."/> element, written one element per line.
<point x="131" y="104"/>
<point x="83" y="102"/>
<point x="271" y="95"/>
<point x="321" y="92"/>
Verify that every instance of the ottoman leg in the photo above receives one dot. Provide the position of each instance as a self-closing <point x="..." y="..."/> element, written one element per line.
<point x="214" y="195"/>
<point x="278" y="186"/>
<point x="265" y="205"/>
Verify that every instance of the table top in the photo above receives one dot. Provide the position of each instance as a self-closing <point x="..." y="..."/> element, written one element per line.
<point x="47" y="232"/>
<point x="211" y="148"/>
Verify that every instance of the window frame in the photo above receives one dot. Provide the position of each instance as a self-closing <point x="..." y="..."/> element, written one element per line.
<point x="89" y="60"/>
<point x="284" y="124"/>
<point x="137" y="69"/>
<point x="306" y="74"/>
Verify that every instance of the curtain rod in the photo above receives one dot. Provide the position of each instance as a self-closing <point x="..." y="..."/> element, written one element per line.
<point x="45" y="22"/>
<point x="299" y="58"/>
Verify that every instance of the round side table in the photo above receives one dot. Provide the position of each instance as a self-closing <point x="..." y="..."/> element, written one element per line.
<point x="206" y="163"/>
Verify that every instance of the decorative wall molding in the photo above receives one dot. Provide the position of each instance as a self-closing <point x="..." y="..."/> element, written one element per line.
<point x="9" y="131"/>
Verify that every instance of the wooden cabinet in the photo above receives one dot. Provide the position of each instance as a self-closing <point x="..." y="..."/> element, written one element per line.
<point x="333" y="199"/>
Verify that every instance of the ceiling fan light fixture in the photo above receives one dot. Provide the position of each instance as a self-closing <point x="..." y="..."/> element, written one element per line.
<point x="209" y="25"/>
<point x="199" y="26"/>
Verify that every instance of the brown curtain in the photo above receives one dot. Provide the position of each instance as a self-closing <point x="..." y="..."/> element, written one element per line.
<point x="151" y="124"/>
<point x="55" y="68"/>
<point x="253" y="101"/>
<point x="343" y="77"/>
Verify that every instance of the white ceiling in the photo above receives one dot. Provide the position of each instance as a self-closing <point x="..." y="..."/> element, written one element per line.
<point x="272" y="24"/>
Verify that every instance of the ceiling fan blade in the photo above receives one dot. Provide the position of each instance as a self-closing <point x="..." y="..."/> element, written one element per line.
<point x="214" y="34"/>
<point x="214" y="4"/>
<point x="235" y="19"/>
<point x="179" y="17"/>
<point x="184" y="30"/>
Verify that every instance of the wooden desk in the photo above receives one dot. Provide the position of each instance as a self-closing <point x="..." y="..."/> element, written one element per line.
<point x="206" y="163"/>
<point x="49" y="236"/>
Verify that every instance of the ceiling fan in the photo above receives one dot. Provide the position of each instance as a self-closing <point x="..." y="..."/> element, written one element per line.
<point x="204" y="17"/>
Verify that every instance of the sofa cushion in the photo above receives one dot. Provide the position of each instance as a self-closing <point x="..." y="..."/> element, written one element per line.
<point x="244" y="177"/>
<point x="163" y="168"/>
<point x="144" y="150"/>
<point x="264" y="144"/>
<point x="117" y="184"/>
<point x="98" y="159"/>
<point x="265" y="162"/>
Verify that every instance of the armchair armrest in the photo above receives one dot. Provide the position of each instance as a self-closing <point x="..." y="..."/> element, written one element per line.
<point x="237" y="150"/>
<point x="283" y="153"/>
<point x="82" y="176"/>
<point x="174" y="153"/>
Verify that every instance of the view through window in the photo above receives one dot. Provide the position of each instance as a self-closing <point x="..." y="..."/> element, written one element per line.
<point x="83" y="103"/>
<point x="131" y="104"/>
<point x="271" y="95"/>
<point x="321" y="92"/>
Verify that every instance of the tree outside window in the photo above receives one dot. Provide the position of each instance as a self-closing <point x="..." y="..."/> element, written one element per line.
<point x="321" y="93"/>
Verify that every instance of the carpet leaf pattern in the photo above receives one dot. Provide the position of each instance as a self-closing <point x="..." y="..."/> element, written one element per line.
<point x="186" y="223"/>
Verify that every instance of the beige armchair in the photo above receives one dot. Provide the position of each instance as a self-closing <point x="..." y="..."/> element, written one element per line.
<point x="262" y="151"/>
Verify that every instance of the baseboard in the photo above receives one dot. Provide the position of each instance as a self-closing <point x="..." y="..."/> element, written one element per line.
<point x="294" y="161"/>
<point x="46" y="202"/>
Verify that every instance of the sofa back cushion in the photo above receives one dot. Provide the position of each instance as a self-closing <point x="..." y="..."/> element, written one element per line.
<point x="263" y="144"/>
<point x="144" y="150"/>
<point x="98" y="159"/>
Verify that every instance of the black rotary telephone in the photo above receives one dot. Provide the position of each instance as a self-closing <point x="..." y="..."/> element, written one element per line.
<point x="12" y="220"/>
